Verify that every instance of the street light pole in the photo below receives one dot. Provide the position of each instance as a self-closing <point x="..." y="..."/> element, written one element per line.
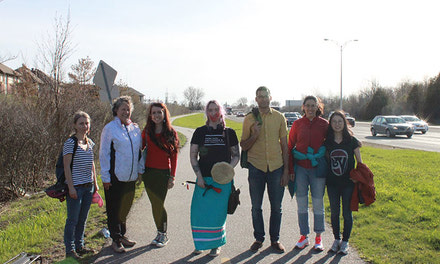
<point x="341" y="47"/>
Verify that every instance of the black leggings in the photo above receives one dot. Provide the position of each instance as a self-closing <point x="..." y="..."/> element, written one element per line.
<point x="156" y="185"/>
<point x="118" y="201"/>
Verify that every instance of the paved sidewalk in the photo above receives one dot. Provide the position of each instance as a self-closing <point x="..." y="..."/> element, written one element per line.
<point x="239" y="229"/>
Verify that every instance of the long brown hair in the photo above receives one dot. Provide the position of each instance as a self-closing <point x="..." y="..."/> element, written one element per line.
<point x="346" y="131"/>
<point x="171" y="143"/>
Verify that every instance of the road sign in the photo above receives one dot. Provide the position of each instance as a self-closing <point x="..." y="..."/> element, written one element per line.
<point x="104" y="79"/>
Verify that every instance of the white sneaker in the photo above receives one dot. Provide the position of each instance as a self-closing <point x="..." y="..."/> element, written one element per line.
<point x="163" y="240"/>
<point x="197" y="252"/>
<point x="318" y="244"/>
<point x="344" y="248"/>
<point x="336" y="245"/>
<point x="154" y="242"/>
<point x="302" y="242"/>
<point x="214" y="252"/>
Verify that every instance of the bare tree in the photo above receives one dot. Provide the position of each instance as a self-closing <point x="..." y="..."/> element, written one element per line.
<point x="55" y="50"/>
<point x="275" y="103"/>
<point x="83" y="72"/>
<point x="194" y="97"/>
<point x="242" y="102"/>
<point x="5" y="58"/>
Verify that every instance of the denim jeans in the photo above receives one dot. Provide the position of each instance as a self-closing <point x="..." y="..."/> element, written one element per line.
<point x="304" y="179"/>
<point x="335" y="193"/>
<point x="77" y="212"/>
<point x="257" y="184"/>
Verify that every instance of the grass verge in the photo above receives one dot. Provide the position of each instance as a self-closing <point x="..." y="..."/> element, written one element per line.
<point x="36" y="225"/>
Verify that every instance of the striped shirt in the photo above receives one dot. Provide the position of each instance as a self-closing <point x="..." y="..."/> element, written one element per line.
<point x="82" y="162"/>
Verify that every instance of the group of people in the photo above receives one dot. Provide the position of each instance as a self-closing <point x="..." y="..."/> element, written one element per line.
<point x="312" y="155"/>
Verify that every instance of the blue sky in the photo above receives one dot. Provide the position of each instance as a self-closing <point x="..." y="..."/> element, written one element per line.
<point x="230" y="47"/>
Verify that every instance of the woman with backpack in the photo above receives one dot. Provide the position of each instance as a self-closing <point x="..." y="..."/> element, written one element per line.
<point x="162" y="144"/>
<point x="80" y="176"/>
<point x="119" y="157"/>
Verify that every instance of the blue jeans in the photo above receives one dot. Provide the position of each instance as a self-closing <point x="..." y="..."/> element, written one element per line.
<point x="257" y="184"/>
<point x="304" y="179"/>
<point x="335" y="193"/>
<point x="77" y="212"/>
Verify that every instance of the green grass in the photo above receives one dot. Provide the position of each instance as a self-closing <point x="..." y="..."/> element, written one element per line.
<point x="36" y="225"/>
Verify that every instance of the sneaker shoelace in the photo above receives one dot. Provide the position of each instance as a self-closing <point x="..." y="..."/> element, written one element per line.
<point x="302" y="239"/>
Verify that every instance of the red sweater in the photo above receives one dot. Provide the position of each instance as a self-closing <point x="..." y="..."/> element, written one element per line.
<point x="305" y="133"/>
<point x="157" y="158"/>
<point x="364" y="187"/>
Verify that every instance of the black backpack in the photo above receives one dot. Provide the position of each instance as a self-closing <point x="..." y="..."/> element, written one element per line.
<point x="60" y="189"/>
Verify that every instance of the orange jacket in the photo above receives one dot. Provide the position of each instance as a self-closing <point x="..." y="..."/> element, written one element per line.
<point x="364" y="191"/>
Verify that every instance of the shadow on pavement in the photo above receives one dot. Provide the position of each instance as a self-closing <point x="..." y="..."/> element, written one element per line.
<point x="109" y="256"/>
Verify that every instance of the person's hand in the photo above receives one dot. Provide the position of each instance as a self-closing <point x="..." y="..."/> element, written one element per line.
<point x="139" y="180"/>
<point x="284" y="179"/>
<point x="292" y="176"/>
<point x="171" y="182"/>
<point x="106" y="185"/>
<point x="255" y="129"/>
<point x="96" y="187"/>
<point x="201" y="182"/>
<point x="72" y="193"/>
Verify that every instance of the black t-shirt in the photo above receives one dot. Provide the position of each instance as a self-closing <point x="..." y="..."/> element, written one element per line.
<point x="341" y="161"/>
<point x="212" y="146"/>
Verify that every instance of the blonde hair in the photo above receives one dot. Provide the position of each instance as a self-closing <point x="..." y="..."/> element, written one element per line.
<point x="77" y="116"/>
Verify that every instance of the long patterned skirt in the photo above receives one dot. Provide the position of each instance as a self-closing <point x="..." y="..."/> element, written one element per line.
<point x="208" y="215"/>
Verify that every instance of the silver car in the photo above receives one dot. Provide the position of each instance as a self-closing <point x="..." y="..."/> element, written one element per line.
<point x="391" y="126"/>
<point x="419" y="125"/>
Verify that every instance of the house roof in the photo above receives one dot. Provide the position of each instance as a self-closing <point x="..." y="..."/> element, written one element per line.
<point x="42" y="76"/>
<point x="6" y="70"/>
<point x="28" y="75"/>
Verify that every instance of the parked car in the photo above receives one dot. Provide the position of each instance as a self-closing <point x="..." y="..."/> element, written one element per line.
<point x="239" y="114"/>
<point x="419" y="125"/>
<point x="291" y="117"/>
<point x="391" y="126"/>
<point x="351" y="120"/>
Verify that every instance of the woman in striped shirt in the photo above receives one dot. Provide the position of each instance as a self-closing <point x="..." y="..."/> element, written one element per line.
<point x="81" y="181"/>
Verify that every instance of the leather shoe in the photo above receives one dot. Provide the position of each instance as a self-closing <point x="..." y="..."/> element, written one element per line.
<point x="278" y="247"/>
<point x="256" y="246"/>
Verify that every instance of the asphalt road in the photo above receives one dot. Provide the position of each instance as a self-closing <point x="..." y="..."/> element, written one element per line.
<point x="428" y="142"/>
<point x="239" y="229"/>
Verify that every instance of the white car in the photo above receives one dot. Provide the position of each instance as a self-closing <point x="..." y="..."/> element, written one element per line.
<point x="419" y="125"/>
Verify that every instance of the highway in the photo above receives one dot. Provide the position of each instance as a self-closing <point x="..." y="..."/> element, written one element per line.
<point x="427" y="142"/>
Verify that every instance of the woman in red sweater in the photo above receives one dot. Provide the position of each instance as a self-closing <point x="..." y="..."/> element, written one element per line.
<point x="162" y="144"/>
<point x="306" y="139"/>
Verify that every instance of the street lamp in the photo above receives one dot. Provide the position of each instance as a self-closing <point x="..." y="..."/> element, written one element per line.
<point x="341" y="49"/>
